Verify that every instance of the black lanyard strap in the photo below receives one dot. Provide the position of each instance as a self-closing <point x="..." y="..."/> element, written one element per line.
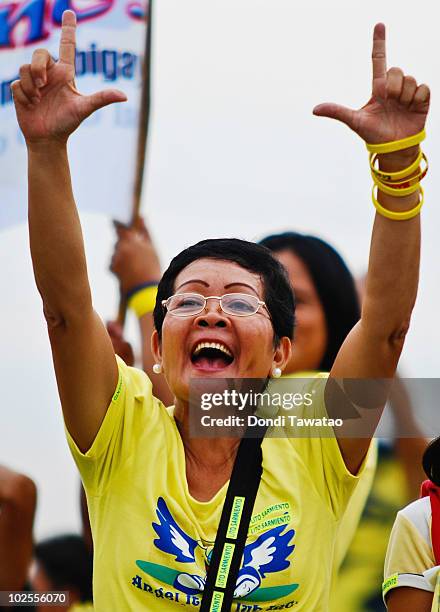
<point x="233" y="528"/>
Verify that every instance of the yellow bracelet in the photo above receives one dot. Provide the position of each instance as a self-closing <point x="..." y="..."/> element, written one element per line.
<point x="397" y="145"/>
<point x="143" y="301"/>
<point x="408" y="181"/>
<point x="398" y="216"/>
<point x="400" y="174"/>
<point x="397" y="192"/>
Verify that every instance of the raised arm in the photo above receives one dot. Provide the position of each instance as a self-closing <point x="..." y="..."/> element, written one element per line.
<point x="396" y="110"/>
<point x="49" y="108"/>
<point x="18" y="499"/>
<point x="136" y="264"/>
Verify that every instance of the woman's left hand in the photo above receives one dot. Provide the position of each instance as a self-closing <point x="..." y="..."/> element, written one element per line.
<point x="397" y="108"/>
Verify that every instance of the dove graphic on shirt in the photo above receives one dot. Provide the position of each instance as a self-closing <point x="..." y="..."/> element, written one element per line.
<point x="268" y="554"/>
<point x="172" y="539"/>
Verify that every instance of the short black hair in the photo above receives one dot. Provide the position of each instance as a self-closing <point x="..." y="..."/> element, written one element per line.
<point x="278" y="293"/>
<point x="431" y="461"/>
<point x="333" y="281"/>
<point x="67" y="563"/>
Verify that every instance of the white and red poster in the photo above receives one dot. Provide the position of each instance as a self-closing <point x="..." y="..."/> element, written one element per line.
<point x="111" y="39"/>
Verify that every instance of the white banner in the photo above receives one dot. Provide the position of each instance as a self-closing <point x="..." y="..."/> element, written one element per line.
<point x="111" y="38"/>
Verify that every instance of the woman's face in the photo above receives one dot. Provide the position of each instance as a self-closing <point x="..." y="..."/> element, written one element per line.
<point x="311" y="338"/>
<point x="248" y="340"/>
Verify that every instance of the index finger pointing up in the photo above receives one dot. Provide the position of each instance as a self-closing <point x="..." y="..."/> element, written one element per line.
<point x="68" y="38"/>
<point x="379" y="58"/>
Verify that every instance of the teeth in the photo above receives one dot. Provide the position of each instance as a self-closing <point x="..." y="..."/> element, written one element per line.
<point x="212" y="345"/>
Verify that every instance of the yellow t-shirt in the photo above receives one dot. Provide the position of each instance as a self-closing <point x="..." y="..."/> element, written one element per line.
<point x="353" y="512"/>
<point x="153" y="540"/>
<point x="410" y="559"/>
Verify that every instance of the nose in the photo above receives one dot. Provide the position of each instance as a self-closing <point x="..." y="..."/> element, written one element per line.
<point x="212" y="316"/>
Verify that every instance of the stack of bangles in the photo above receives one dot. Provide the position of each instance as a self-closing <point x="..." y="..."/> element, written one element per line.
<point x="142" y="298"/>
<point x="402" y="183"/>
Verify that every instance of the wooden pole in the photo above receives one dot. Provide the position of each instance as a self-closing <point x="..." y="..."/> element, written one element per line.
<point x="143" y="125"/>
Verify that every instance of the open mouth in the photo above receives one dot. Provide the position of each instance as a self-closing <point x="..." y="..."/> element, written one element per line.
<point x="211" y="356"/>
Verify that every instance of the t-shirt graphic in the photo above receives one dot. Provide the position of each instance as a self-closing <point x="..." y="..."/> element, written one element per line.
<point x="267" y="554"/>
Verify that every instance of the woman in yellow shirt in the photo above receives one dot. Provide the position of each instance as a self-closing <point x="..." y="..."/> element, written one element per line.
<point x="155" y="493"/>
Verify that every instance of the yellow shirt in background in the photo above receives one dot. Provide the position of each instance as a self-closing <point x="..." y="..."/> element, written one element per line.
<point x="410" y="559"/>
<point x="153" y="540"/>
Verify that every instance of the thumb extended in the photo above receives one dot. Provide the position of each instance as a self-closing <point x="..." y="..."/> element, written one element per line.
<point x="98" y="100"/>
<point x="336" y="111"/>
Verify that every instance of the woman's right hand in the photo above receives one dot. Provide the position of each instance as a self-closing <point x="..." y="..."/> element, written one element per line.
<point x="47" y="103"/>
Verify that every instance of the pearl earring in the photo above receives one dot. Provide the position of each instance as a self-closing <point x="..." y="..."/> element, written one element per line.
<point x="157" y="368"/>
<point x="276" y="372"/>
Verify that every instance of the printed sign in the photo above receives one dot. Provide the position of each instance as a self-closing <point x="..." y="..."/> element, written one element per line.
<point x="111" y="37"/>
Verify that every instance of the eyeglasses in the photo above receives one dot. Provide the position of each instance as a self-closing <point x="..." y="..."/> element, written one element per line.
<point x="191" y="304"/>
